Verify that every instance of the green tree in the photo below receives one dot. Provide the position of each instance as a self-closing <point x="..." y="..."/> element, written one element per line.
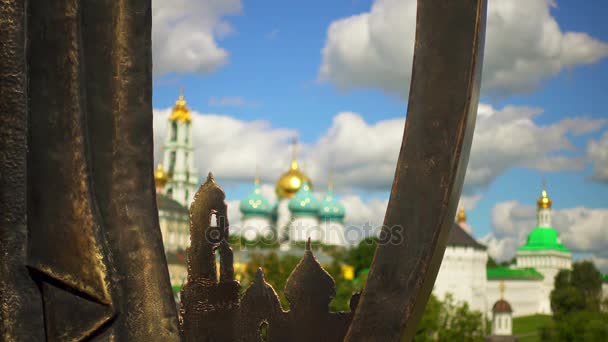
<point x="361" y="257"/>
<point x="576" y="303"/>
<point x="450" y="321"/>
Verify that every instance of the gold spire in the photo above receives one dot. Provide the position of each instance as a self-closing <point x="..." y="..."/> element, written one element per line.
<point x="290" y="182"/>
<point x="160" y="176"/>
<point x="330" y="182"/>
<point x="462" y="216"/>
<point x="256" y="180"/>
<point x="294" y="159"/>
<point x="544" y="202"/>
<point x="501" y="288"/>
<point x="180" y="112"/>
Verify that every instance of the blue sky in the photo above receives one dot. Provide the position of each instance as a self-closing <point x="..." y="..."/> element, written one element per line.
<point x="270" y="72"/>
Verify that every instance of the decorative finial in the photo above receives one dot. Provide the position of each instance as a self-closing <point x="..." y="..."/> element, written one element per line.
<point x="210" y="177"/>
<point x="256" y="180"/>
<point x="544" y="202"/>
<point x="501" y="288"/>
<point x="308" y="244"/>
<point x="330" y="182"/>
<point x="294" y="159"/>
<point x="462" y="216"/>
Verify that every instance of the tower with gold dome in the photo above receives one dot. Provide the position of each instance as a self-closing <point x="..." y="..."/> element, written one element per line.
<point x="544" y="250"/>
<point x="287" y="186"/>
<point x="178" y="157"/>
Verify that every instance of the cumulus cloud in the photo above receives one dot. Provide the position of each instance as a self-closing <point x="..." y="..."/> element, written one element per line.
<point x="363" y="155"/>
<point x="185" y="34"/>
<point x="510" y="137"/>
<point x="597" y="153"/>
<point x="232" y="148"/>
<point x="582" y="230"/>
<point x="524" y="46"/>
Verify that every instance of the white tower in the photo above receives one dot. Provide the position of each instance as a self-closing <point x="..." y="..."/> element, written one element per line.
<point x="304" y="208"/>
<point x="544" y="251"/>
<point x="179" y="155"/>
<point x="286" y="188"/>
<point x="257" y="212"/>
<point x="502" y="316"/>
<point x="331" y="215"/>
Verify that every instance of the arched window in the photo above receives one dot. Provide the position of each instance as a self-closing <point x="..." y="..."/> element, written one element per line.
<point x="172" y="162"/>
<point x="173" y="131"/>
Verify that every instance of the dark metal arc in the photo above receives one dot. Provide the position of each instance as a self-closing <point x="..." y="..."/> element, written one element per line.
<point x="430" y="171"/>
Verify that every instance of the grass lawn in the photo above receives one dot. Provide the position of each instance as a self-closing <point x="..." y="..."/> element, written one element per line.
<point x="527" y="328"/>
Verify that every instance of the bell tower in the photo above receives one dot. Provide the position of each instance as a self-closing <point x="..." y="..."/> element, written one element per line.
<point x="179" y="155"/>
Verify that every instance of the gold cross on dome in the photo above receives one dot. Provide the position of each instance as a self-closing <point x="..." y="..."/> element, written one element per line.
<point x="501" y="288"/>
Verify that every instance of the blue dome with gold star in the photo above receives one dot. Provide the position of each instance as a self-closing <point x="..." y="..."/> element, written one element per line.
<point x="331" y="208"/>
<point x="304" y="202"/>
<point x="255" y="204"/>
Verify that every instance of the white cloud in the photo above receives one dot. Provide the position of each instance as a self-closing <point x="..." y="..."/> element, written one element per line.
<point x="597" y="153"/>
<point x="363" y="155"/>
<point x="510" y="137"/>
<point x="524" y="46"/>
<point x="231" y="148"/>
<point x="582" y="230"/>
<point x="185" y="34"/>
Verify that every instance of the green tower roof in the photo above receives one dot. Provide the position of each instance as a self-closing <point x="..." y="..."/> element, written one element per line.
<point x="304" y="202"/>
<point x="331" y="208"/>
<point x="542" y="239"/>
<point x="255" y="204"/>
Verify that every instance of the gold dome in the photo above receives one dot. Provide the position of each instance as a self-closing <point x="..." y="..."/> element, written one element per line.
<point x="180" y="112"/>
<point x="544" y="202"/>
<point x="290" y="182"/>
<point x="160" y="176"/>
<point x="462" y="216"/>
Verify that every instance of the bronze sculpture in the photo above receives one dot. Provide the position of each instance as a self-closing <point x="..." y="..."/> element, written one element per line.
<point x="82" y="255"/>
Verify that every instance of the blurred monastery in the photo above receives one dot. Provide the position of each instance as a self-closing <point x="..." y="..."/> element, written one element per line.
<point x="520" y="289"/>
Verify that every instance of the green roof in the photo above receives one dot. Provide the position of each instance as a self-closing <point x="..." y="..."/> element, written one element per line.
<point x="255" y="204"/>
<point x="304" y="202"/>
<point x="542" y="239"/>
<point x="502" y="272"/>
<point x="176" y="288"/>
<point x="605" y="278"/>
<point x="331" y="208"/>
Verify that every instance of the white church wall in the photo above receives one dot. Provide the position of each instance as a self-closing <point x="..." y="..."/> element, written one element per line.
<point x="253" y="227"/>
<point x="463" y="274"/>
<point x="303" y="227"/>
<point x="333" y="233"/>
<point x="525" y="296"/>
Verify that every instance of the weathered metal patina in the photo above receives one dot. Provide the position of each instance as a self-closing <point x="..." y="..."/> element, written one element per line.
<point x="81" y="250"/>
<point x="210" y="306"/>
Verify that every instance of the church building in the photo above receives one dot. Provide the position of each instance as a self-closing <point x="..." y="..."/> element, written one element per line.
<point x="298" y="213"/>
<point x="528" y="282"/>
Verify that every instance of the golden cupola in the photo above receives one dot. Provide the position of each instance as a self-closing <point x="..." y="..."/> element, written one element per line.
<point x="462" y="216"/>
<point x="291" y="181"/>
<point x="180" y="112"/>
<point x="160" y="177"/>
<point x="544" y="202"/>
